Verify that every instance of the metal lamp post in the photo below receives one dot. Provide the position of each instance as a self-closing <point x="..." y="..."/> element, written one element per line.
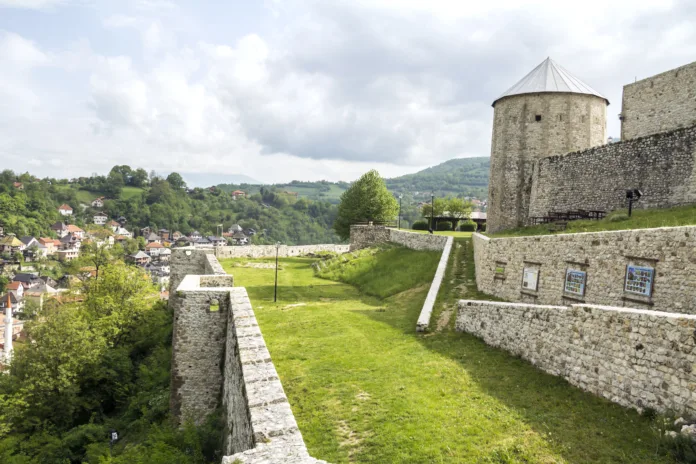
<point x="632" y="195"/>
<point x="275" y="286"/>
<point x="432" y="210"/>
<point x="400" y="197"/>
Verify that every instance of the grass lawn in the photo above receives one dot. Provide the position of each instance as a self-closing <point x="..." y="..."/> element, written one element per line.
<point x="448" y="233"/>
<point x="365" y="387"/>
<point x="617" y="220"/>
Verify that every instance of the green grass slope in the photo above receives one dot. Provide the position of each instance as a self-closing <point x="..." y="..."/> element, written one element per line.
<point x="364" y="387"/>
<point x="618" y="220"/>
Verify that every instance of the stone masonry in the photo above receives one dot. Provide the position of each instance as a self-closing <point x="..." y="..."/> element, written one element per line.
<point x="661" y="166"/>
<point x="636" y="358"/>
<point x="366" y="236"/>
<point x="604" y="256"/>
<point x="284" y="251"/>
<point x="659" y="103"/>
<point x="528" y="127"/>
<point x="219" y="359"/>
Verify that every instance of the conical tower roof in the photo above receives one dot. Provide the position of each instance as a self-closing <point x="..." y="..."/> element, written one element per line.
<point x="549" y="76"/>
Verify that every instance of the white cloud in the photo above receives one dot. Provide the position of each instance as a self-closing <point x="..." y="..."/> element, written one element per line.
<point x="31" y="4"/>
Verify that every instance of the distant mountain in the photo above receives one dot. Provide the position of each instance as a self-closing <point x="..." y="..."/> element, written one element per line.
<point x="465" y="176"/>
<point x="208" y="179"/>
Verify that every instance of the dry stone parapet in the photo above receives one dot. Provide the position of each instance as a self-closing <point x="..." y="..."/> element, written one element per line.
<point x="284" y="251"/>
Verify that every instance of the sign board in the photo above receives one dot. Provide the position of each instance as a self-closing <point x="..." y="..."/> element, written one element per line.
<point x="530" y="278"/>
<point x="575" y="282"/>
<point x="639" y="279"/>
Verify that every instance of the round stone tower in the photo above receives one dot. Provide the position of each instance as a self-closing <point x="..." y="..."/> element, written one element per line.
<point x="548" y="112"/>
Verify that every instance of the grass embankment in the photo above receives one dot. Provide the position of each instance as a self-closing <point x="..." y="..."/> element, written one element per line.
<point x="365" y="387"/>
<point x="448" y="233"/>
<point x="617" y="220"/>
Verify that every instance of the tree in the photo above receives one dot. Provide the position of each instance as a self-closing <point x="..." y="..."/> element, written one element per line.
<point x="3" y="283"/>
<point x="366" y="200"/>
<point x="139" y="178"/>
<point x="176" y="181"/>
<point x="450" y="208"/>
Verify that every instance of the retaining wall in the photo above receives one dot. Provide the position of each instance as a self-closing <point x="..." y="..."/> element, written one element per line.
<point x="427" y="311"/>
<point x="604" y="257"/>
<point x="632" y="357"/>
<point x="366" y="236"/>
<point x="284" y="251"/>
<point x="220" y="359"/>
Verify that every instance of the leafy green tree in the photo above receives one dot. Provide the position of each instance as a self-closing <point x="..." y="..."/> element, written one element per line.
<point x="3" y="283"/>
<point x="176" y="181"/>
<point x="366" y="200"/>
<point x="139" y="178"/>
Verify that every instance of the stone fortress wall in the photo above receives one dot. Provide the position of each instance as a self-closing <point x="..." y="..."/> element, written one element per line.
<point x="528" y="127"/>
<point x="659" y="103"/>
<point x="660" y="165"/>
<point x="636" y="358"/>
<point x="367" y="236"/>
<point x="284" y="251"/>
<point x="604" y="257"/>
<point x="219" y="359"/>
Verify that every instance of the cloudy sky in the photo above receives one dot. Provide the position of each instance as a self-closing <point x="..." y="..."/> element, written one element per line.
<point x="299" y="89"/>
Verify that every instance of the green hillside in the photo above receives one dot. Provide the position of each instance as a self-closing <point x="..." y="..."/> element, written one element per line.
<point x="456" y="177"/>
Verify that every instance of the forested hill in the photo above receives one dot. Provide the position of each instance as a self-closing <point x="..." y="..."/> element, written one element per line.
<point x="458" y="177"/>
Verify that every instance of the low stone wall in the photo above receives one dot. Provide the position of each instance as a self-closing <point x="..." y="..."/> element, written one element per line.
<point x="267" y="251"/>
<point x="367" y="236"/>
<point x="636" y="358"/>
<point x="604" y="258"/>
<point x="427" y="310"/>
<point x="219" y="358"/>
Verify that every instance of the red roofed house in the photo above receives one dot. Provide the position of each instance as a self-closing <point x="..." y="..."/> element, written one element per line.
<point x="154" y="248"/>
<point x="238" y="194"/>
<point x="18" y="185"/>
<point x="76" y="231"/>
<point x="65" y="210"/>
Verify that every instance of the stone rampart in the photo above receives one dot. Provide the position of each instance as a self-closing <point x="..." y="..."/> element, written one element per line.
<point x="367" y="236"/>
<point x="219" y="359"/>
<point x="662" y="166"/>
<point x="636" y="358"/>
<point x="605" y="259"/>
<point x="267" y="251"/>
<point x="659" y="103"/>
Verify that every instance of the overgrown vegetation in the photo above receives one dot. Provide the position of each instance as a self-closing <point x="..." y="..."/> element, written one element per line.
<point x="100" y="360"/>
<point x="365" y="387"/>
<point x="617" y="220"/>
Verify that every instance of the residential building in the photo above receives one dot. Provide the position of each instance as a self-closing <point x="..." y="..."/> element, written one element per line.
<point x="65" y="210"/>
<point x="60" y="229"/>
<point x="123" y="233"/>
<point x="165" y="254"/>
<point x="28" y="280"/>
<point x="238" y="194"/>
<point x="145" y="231"/>
<point x="67" y="254"/>
<point x="18" y="185"/>
<point x="73" y="229"/>
<point x="175" y="236"/>
<point x="98" y="202"/>
<point x="153" y="249"/>
<point x="164" y="234"/>
<point x="51" y="245"/>
<point x="239" y="238"/>
<point x="153" y="238"/>
<point x="217" y="241"/>
<point x="113" y="225"/>
<point x="235" y="228"/>
<point x="195" y="235"/>
<point x="122" y="220"/>
<point x="100" y="219"/>
<point x="11" y="244"/>
<point x="71" y="242"/>
<point x="202" y="242"/>
<point x="139" y="258"/>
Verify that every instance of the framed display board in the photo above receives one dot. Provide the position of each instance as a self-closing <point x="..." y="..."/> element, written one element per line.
<point x="639" y="280"/>
<point x="575" y="282"/>
<point x="530" y="278"/>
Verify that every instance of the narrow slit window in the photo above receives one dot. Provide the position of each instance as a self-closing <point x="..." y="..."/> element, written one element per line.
<point x="537" y="117"/>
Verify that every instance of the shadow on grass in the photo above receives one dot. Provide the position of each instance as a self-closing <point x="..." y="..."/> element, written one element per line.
<point x="581" y="427"/>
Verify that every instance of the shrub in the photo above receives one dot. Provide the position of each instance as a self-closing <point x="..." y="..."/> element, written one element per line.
<point x="420" y="225"/>
<point x="469" y="226"/>
<point x="444" y="225"/>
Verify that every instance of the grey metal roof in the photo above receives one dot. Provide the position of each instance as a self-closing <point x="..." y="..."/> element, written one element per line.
<point x="549" y="76"/>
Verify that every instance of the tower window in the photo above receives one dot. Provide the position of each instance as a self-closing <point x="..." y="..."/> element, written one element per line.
<point x="560" y="117"/>
<point x="537" y="117"/>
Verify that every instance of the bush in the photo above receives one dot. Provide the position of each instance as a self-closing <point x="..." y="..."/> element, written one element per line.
<point x="444" y="225"/>
<point x="420" y="225"/>
<point x="469" y="226"/>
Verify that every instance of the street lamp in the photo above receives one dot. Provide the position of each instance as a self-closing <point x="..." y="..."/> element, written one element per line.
<point x="401" y="195"/>
<point x="432" y="210"/>
<point x="632" y="195"/>
<point x="275" y="286"/>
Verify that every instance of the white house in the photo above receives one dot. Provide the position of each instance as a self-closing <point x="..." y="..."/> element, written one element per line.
<point x="98" y="202"/>
<point x="65" y="210"/>
<point x="123" y="232"/>
<point x="100" y="219"/>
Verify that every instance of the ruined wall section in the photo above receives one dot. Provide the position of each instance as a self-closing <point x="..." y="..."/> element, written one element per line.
<point x="659" y="103"/>
<point x="661" y="166"/>
<point x="636" y="358"/>
<point x="603" y="256"/>
<point x="284" y="251"/>
<point x="528" y="127"/>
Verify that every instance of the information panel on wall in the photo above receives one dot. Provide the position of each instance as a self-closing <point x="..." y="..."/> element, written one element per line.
<point x="530" y="278"/>
<point x="575" y="282"/>
<point x="639" y="279"/>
